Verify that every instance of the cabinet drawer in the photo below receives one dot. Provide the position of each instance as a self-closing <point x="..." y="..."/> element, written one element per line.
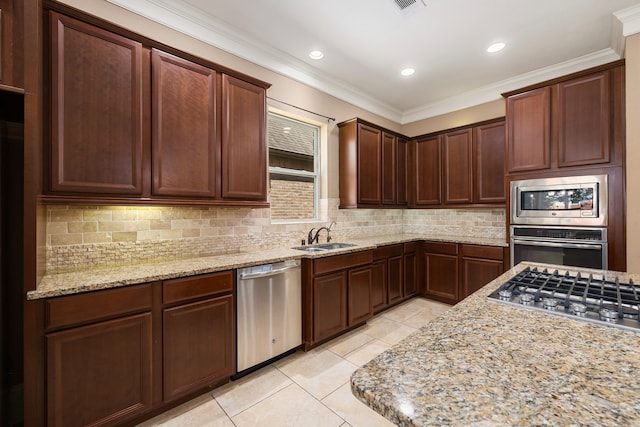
<point x="178" y="290"/>
<point x="441" y="248"/>
<point x="486" y="252"/>
<point x="410" y="247"/>
<point x="387" y="251"/>
<point x="339" y="262"/>
<point x="93" y="306"/>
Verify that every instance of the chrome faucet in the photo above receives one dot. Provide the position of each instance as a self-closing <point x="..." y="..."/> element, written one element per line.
<point x="311" y="238"/>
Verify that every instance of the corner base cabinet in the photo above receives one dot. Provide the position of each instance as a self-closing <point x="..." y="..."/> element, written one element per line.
<point x="453" y="271"/>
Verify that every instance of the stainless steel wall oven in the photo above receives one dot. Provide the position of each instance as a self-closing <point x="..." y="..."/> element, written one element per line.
<point x="560" y="221"/>
<point x="573" y="246"/>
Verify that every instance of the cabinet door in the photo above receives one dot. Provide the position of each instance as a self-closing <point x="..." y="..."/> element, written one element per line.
<point x="389" y="163"/>
<point x="184" y="148"/>
<point x="441" y="277"/>
<point x="379" y="284"/>
<point x="401" y="172"/>
<point x="426" y="171"/>
<point x="329" y="305"/>
<point x="488" y="147"/>
<point x="478" y="272"/>
<point x="410" y="274"/>
<point x="96" y="110"/>
<point x="369" y="164"/>
<point x="244" y="146"/>
<point x="99" y="374"/>
<point x="395" y="279"/>
<point x="456" y="159"/>
<point x="198" y="345"/>
<point x="528" y="130"/>
<point x="583" y="120"/>
<point x="359" y="295"/>
<point x="6" y="22"/>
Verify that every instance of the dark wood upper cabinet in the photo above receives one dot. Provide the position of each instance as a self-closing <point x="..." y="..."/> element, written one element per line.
<point x="401" y="172"/>
<point x="184" y="144"/>
<point x="96" y="109"/>
<point x="130" y="122"/>
<point x="389" y="167"/>
<point x="583" y="120"/>
<point x="488" y="158"/>
<point x="456" y="161"/>
<point x="425" y="174"/>
<point x="372" y="166"/>
<point x="12" y="43"/>
<point x="244" y="150"/>
<point x="369" y="164"/>
<point x="529" y="130"/>
<point x="570" y="122"/>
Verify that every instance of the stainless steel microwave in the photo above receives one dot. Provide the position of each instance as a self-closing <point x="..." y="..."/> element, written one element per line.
<point x="575" y="201"/>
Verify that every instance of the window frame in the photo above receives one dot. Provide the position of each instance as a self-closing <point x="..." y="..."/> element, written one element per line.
<point x="315" y="175"/>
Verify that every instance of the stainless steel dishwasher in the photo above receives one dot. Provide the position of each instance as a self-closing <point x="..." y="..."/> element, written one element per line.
<point x="269" y="313"/>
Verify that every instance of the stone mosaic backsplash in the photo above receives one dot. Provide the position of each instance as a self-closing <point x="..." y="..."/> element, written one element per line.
<point x="83" y="237"/>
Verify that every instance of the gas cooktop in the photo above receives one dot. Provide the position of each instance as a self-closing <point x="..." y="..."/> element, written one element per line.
<point x="589" y="297"/>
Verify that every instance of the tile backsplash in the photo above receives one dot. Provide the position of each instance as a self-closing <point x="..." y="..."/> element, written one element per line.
<point x="85" y="237"/>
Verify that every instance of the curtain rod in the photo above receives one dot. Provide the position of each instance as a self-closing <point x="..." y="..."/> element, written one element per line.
<point x="303" y="109"/>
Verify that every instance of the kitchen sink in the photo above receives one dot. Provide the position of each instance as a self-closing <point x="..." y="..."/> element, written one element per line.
<point x="324" y="247"/>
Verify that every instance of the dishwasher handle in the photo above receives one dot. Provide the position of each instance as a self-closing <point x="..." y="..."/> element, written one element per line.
<point x="247" y="276"/>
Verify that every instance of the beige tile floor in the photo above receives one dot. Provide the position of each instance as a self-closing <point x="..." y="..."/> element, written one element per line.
<point x="306" y="389"/>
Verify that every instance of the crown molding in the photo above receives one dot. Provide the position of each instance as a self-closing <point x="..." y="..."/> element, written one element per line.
<point x="191" y="21"/>
<point x="629" y="19"/>
<point x="493" y="91"/>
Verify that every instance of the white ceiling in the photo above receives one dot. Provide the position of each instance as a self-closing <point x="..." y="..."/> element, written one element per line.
<point x="367" y="42"/>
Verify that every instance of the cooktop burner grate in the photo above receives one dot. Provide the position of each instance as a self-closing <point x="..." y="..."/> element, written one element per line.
<point x="583" y="296"/>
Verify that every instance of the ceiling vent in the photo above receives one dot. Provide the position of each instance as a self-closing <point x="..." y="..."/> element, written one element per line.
<point x="407" y="7"/>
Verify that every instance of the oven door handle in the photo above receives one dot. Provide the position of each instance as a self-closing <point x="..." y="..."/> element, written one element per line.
<point x="595" y="246"/>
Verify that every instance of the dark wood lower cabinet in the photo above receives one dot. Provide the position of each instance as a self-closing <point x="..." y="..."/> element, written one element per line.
<point x="116" y="356"/>
<point x="387" y="277"/>
<point x="337" y="295"/>
<point x="480" y="265"/>
<point x="441" y="277"/>
<point x="379" y="285"/>
<point x="100" y="374"/>
<point x="329" y="305"/>
<point x="410" y="265"/>
<point x="359" y="307"/>
<point x="197" y="345"/>
<point x="454" y="271"/>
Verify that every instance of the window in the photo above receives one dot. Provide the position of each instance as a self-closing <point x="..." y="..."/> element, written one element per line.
<point x="293" y="166"/>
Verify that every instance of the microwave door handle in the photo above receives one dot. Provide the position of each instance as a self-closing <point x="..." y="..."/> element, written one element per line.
<point x="595" y="247"/>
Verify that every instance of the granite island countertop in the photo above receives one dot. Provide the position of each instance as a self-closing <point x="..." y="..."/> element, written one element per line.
<point x="98" y="278"/>
<point x="485" y="363"/>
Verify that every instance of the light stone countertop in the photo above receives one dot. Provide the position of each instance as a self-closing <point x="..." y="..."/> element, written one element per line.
<point x="59" y="284"/>
<point x="483" y="363"/>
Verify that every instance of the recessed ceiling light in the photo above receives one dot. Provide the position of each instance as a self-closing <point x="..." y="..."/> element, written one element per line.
<point x="316" y="54"/>
<point x="407" y="71"/>
<point x="496" y="47"/>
